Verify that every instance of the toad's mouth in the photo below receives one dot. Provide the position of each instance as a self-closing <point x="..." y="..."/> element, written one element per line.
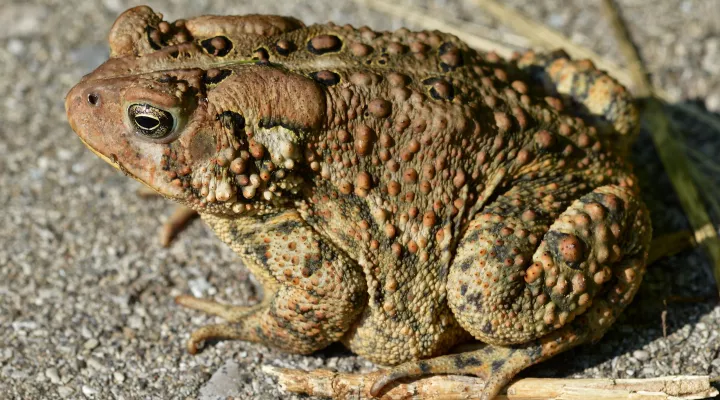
<point x="114" y="161"/>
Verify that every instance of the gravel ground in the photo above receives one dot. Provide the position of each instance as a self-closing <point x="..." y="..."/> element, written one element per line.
<point x="86" y="290"/>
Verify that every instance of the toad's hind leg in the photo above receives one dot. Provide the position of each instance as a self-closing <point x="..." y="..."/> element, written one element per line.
<point x="312" y="291"/>
<point x="584" y="272"/>
<point x="589" y="92"/>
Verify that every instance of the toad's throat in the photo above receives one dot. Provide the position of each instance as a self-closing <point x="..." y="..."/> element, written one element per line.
<point x="115" y="162"/>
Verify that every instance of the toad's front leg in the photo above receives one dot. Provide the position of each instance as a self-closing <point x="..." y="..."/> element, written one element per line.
<point x="313" y="291"/>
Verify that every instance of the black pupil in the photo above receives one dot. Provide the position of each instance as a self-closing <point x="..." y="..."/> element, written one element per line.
<point x="151" y="121"/>
<point x="146" y="122"/>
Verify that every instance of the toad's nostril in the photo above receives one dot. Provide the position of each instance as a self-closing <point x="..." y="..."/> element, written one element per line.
<point x="93" y="99"/>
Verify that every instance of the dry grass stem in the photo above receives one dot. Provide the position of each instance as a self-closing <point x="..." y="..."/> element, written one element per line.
<point x="670" y="244"/>
<point x="342" y="386"/>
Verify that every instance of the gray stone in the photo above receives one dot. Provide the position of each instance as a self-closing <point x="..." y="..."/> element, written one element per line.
<point x="119" y="377"/>
<point x="89" y="391"/>
<point x="641" y="355"/>
<point x="224" y="383"/>
<point x="200" y="287"/>
<point x="53" y="375"/>
<point x="91" y="344"/>
<point x="65" y="391"/>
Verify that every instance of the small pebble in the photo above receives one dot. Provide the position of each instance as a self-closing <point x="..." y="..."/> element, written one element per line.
<point x="641" y="355"/>
<point x="119" y="377"/>
<point x="91" y="344"/>
<point x="15" y="47"/>
<point x="6" y="354"/>
<point x="65" y="391"/>
<point x="53" y="375"/>
<point x="95" y="364"/>
<point x="200" y="287"/>
<point x="136" y="322"/>
<point x="88" y="391"/>
<point x="19" y="375"/>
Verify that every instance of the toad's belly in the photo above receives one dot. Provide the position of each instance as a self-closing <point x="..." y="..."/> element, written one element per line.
<point x="391" y="340"/>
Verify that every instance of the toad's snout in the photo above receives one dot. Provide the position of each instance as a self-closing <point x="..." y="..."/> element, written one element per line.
<point x="84" y="105"/>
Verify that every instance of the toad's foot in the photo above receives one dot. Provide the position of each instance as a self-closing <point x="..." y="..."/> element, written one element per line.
<point x="176" y="222"/>
<point x="232" y="314"/>
<point x="496" y="365"/>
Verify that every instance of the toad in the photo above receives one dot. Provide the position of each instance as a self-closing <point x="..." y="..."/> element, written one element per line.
<point x="398" y="192"/>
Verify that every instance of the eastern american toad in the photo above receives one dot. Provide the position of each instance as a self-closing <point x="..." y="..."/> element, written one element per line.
<point x="395" y="191"/>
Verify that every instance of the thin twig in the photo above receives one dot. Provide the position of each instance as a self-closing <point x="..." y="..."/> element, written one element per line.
<point x="337" y="385"/>
<point x="670" y="244"/>
<point x="676" y="164"/>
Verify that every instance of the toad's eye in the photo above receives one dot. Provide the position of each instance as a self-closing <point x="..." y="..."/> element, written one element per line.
<point x="151" y="122"/>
